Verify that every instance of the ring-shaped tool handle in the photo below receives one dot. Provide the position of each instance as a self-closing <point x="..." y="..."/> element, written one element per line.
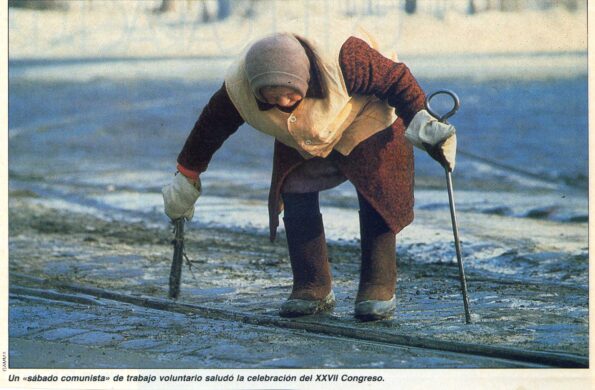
<point x="455" y="108"/>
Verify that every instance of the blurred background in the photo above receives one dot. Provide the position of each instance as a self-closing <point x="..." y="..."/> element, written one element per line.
<point x="94" y="28"/>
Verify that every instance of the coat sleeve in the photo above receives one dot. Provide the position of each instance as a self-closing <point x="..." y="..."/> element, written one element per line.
<point x="218" y="120"/>
<point x="367" y="72"/>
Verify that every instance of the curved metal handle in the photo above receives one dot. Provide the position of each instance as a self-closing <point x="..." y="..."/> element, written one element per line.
<point x="455" y="108"/>
<point x="451" y="202"/>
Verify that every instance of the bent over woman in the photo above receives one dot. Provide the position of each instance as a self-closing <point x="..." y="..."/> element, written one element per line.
<point x="344" y="113"/>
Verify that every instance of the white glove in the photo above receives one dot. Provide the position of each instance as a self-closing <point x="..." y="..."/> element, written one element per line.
<point x="436" y="138"/>
<point x="179" y="197"/>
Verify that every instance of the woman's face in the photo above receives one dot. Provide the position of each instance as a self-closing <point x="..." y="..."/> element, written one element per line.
<point x="281" y="96"/>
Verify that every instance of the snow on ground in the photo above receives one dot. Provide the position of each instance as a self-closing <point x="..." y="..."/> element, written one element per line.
<point x="130" y="29"/>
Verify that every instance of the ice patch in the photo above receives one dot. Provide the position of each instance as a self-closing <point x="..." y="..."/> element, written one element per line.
<point x="483" y="68"/>
<point x="188" y="69"/>
<point x="500" y="67"/>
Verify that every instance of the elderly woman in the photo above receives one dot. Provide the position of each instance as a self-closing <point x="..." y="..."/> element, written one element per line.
<point x="341" y="114"/>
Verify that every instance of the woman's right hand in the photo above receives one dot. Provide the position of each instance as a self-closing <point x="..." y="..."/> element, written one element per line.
<point x="179" y="197"/>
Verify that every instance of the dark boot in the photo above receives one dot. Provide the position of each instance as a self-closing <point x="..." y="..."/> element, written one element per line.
<point x="311" y="292"/>
<point x="378" y="275"/>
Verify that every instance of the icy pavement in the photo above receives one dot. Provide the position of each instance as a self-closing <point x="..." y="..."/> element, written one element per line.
<point x="48" y="333"/>
<point x="242" y="271"/>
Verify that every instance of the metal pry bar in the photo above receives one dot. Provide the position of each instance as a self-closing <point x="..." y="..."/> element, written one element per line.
<point x="175" y="274"/>
<point x="455" y="232"/>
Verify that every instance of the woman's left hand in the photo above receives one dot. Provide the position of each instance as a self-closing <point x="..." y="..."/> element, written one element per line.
<point x="445" y="152"/>
<point x="437" y="138"/>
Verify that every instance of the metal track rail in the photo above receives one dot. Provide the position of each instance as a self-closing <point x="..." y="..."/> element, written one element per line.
<point x="551" y="359"/>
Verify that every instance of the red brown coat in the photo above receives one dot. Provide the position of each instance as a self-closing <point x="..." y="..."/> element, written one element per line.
<point x="380" y="167"/>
